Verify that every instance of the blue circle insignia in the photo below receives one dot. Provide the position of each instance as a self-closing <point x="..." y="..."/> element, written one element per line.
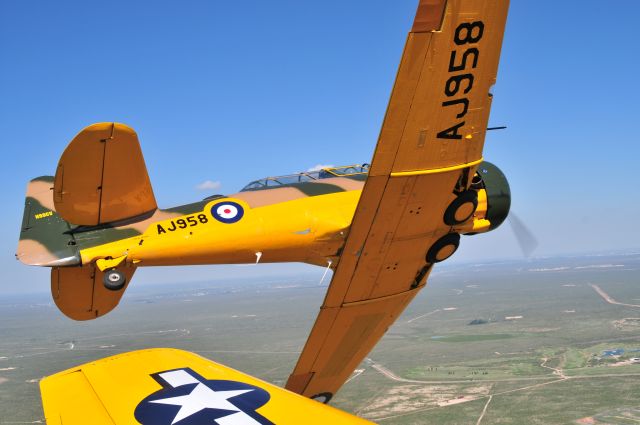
<point x="189" y="399"/>
<point x="227" y="212"/>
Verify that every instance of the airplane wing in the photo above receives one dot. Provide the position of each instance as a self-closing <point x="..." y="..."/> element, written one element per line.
<point x="417" y="190"/>
<point x="102" y="177"/>
<point x="166" y="386"/>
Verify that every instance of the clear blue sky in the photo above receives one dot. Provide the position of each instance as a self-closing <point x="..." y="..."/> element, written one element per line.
<point x="234" y="91"/>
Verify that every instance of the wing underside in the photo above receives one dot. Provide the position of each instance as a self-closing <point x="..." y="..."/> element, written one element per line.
<point x="429" y="147"/>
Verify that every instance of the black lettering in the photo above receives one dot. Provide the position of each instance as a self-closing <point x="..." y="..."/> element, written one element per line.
<point x="468" y="29"/>
<point x="181" y="223"/>
<point x="462" y="84"/>
<point x="203" y="218"/>
<point x="161" y="230"/>
<point x="456" y="80"/>
<point x="451" y="133"/>
<point x="465" y="105"/>
<point x="173" y="227"/>
<point x="455" y="68"/>
<point x="192" y="221"/>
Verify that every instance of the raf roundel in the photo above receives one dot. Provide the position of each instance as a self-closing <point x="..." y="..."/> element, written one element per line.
<point x="227" y="212"/>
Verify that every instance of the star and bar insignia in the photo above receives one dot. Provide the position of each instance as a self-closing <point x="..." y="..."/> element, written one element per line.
<point x="187" y="398"/>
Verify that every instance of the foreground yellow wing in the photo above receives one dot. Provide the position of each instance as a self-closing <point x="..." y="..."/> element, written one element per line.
<point x="413" y="204"/>
<point x="101" y="177"/>
<point x="167" y="386"/>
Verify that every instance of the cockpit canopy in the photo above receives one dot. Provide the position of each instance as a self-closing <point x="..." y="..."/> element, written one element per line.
<point x="351" y="171"/>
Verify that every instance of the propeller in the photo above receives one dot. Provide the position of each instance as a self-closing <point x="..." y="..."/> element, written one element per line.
<point x="527" y="242"/>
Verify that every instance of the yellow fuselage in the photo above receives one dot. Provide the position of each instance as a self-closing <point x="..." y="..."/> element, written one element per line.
<point x="308" y="229"/>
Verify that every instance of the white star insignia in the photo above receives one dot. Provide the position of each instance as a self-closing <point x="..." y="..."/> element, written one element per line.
<point x="200" y="398"/>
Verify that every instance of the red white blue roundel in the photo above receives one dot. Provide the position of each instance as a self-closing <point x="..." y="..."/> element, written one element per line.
<point x="227" y="212"/>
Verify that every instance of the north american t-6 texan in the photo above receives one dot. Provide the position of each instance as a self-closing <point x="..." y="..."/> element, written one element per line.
<point x="381" y="227"/>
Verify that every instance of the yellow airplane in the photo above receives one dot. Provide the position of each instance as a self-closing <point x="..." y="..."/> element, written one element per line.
<point x="379" y="227"/>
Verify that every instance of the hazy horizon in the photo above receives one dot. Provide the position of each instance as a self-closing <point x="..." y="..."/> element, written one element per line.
<point x="223" y="93"/>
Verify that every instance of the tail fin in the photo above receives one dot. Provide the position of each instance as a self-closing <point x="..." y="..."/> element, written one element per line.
<point x="44" y="238"/>
<point x="102" y="178"/>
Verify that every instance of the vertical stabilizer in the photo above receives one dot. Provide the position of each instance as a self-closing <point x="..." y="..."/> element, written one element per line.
<point x="44" y="236"/>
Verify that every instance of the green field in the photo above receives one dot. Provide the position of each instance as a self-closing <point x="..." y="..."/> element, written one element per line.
<point x="523" y="342"/>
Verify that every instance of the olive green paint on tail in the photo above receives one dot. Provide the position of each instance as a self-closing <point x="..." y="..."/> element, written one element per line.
<point x="91" y="238"/>
<point x="59" y="237"/>
<point x="44" y="226"/>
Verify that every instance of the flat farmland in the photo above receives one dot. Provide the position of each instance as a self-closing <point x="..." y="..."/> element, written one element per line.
<point x="502" y="343"/>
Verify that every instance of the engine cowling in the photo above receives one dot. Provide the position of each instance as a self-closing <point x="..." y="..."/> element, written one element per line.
<point x="479" y="208"/>
<point x="494" y="200"/>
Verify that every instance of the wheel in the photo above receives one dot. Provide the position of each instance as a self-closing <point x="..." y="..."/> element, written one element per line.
<point x="462" y="208"/>
<point x="114" y="280"/>
<point x="443" y="248"/>
<point x="322" y="397"/>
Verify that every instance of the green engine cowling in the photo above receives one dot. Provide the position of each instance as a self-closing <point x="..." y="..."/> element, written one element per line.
<point x="481" y="208"/>
<point x="494" y="200"/>
<point x="496" y="185"/>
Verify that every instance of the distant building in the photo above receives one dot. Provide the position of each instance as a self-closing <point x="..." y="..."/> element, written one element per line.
<point x="613" y="353"/>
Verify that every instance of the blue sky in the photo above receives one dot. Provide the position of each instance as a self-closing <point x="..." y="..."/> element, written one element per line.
<point x="234" y="91"/>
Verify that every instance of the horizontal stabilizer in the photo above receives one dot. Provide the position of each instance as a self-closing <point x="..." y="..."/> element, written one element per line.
<point x="80" y="294"/>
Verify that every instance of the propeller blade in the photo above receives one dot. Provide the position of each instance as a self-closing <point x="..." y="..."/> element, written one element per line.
<point x="528" y="243"/>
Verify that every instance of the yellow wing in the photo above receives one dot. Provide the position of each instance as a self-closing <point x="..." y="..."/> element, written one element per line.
<point x="101" y="177"/>
<point x="429" y="147"/>
<point x="165" y="386"/>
